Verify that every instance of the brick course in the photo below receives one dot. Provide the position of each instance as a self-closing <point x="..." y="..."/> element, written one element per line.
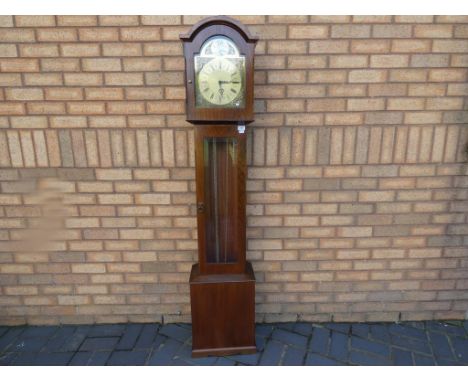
<point x="357" y="171"/>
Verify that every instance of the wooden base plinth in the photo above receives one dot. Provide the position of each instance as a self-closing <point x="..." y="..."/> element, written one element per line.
<point x="223" y="313"/>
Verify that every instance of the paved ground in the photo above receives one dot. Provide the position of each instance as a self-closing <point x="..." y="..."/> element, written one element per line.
<point x="412" y="343"/>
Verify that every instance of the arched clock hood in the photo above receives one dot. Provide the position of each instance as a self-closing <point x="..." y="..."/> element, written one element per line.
<point x="218" y="20"/>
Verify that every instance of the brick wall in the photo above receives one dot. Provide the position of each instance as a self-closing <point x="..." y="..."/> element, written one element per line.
<point x="357" y="182"/>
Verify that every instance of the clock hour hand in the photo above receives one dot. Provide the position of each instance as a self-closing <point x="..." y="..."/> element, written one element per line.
<point x="228" y="82"/>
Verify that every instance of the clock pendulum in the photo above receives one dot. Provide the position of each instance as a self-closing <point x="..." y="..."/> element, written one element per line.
<point x="219" y="64"/>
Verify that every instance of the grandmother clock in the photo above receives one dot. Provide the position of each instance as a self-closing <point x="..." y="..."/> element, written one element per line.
<point x="219" y="63"/>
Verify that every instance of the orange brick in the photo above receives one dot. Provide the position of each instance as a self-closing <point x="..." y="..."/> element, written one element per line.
<point x="447" y="75"/>
<point x="426" y="90"/>
<point x="343" y="119"/>
<point x="98" y="34"/>
<point x="308" y="31"/>
<point x="350" y="31"/>
<point x="170" y="186"/>
<point x="124" y="79"/>
<point x="92" y="289"/>
<point x="20" y="290"/>
<point x="328" y="46"/>
<point x="287" y="76"/>
<point x="88" y="268"/>
<point x="121" y="49"/>
<point x="414" y="19"/>
<point x="291" y="47"/>
<point x="444" y="103"/>
<point x="327" y="76"/>
<point x="83" y="79"/>
<point x="147" y="93"/>
<point x="364" y="104"/>
<point x="142" y="64"/>
<point x="370" y="46"/>
<point x="152" y="198"/>
<point x="8" y="50"/>
<point x="161" y="20"/>
<point x="348" y="61"/>
<point x="407" y="45"/>
<point x="19" y="65"/>
<point x="60" y="64"/>
<point x="162" y="49"/>
<point x="75" y="20"/>
<point x="104" y="93"/>
<point x="86" y="107"/>
<point x="58" y="94"/>
<point x="16" y="268"/>
<point x="433" y="31"/>
<point x="451" y="19"/>
<point x="10" y="108"/>
<point x="29" y="122"/>
<point x="173" y="32"/>
<point x="405" y="104"/>
<point x="306" y="91"/>
<point x="391" y="31"/>
<point x="347" y="90"/>
<point x="376" y="196"/>
<point x="140" y="34"/>
<point x="79" y="50"/>
<point x="342" y="171"/>
<point x="107" y="121"/>
<point x="297" y="62"/>
<point x="17" y="35"/>
<point x="67" y="122"/>
<point x="372" y="19"/>
<point x="389" y="61"/>
<point x="101" y="64"/>
<point x="73" y="300"/>
<point x="166" y="107"/>
<point x="285" y="105"/>
<point x="422" y="117"/>
<point x="35" y="21"/>
<point x="118" y="20"/>
<point x="367" y="76"/>
<point x="151" y="174"/>
<point x="126" y="108"/>
<point x="56" y="34"/>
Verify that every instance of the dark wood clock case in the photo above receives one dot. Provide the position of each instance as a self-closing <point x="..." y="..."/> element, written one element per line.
<point x="222" y="283"/>
<point x="193" y="41"/>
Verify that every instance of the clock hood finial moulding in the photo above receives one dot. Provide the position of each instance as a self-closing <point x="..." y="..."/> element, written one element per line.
<point x="218" y="20"/>
<point x="219" y="112"/>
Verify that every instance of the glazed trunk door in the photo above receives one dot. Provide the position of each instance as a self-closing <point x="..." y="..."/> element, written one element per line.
<point x="220" y="199"/>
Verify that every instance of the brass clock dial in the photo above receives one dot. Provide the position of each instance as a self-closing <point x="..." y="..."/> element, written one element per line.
<point x="219" y="75"/>
<point x="219" y="81"/>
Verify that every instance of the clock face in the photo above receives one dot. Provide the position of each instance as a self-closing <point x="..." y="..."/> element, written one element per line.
<point x="219" y="75"/>
<point x="220" y="82"/>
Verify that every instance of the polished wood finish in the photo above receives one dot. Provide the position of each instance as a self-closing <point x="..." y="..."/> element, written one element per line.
<point x="235" y="210"/>
<point x="222" y="284"/>
<point x="193" y="41"/>
<point x="223" y="312"/>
